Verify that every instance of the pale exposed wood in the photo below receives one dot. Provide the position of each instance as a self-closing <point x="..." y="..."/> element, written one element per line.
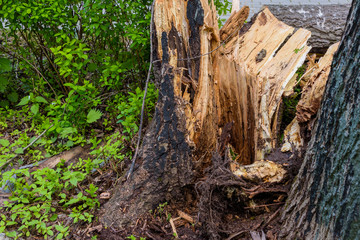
<point x="282" y="67"/>
<point x="237" y="102"/>
<point x="265" y="171"/>
<point x="314" y="89"/>
<point x="186" y="217"/>
<point x="65" y="156"/>
<point x="173" y="228"/>
<point x="276" y="77"/>
<point x="292" y="137"/>
<point x="263" y="38"/>
<point x="236" y="21"/>
<point x="257" y="69"/>
<point x="310" y="100"/>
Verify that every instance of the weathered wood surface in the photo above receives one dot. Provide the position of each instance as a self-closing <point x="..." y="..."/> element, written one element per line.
<point x="326" y="22"/>
<point x="324" y="202"/>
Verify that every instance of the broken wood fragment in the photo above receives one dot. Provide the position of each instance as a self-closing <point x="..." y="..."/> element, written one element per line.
<point x="292" y="137"/>
<point x="234" y="23"/>
<point x="261" y="171"/>
<point x="313" y="91"/>
<point x="65" y="156"/>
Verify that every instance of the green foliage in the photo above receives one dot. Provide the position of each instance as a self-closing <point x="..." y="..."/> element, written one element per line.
<point x="223" y="7"/>
<point x="296" y="50"/>
<point x="130" y="108"/>
<point x="132" y="237"/>
<point x="75" y="71"/>
<point x="93" y="115"/>
<point x="38" y="196"/>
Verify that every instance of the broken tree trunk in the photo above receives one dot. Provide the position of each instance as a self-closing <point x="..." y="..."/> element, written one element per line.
<point x="326" y="22"/>
<point x="204" y="86"/>
<point x="324" y="202"/>
<point x="184" y="129"/>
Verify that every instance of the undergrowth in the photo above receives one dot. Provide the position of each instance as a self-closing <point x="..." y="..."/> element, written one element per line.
<point x="71" y="74"/>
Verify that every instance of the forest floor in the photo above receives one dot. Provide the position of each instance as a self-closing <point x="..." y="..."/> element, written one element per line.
<point x="233" y="220"/>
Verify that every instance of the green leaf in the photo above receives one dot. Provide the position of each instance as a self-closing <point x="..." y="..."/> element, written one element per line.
<point x="73" y="181"/>
<point x="13" y="97"/>
<point x="19" y="151"/>
<point x="25" y="100"/>
<point x="11" y="234"/>
<point x="40" y="99"/>
<point x="34" y="109"/>
<point x="59" y="228"/>
<point x="93" y="115"/>
<point x="5" y="65"/>
<point x="50" y="232"/>
<point x="4" y="82"/>
<point x="53" y="217"/>
<point x="4" y="142"/>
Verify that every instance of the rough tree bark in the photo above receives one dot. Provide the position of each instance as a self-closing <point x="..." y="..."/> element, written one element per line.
<point x="325" y="199"/>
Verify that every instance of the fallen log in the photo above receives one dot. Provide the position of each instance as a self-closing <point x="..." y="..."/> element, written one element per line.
<point x="326" y="22"/>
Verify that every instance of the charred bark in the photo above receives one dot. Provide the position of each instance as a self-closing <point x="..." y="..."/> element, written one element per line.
<point x="176" y="138"/>
<point x="325" y="199"/>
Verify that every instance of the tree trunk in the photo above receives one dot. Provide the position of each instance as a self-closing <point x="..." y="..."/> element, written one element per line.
<point x="326" y="22"/>
<point x="324" y="202"/>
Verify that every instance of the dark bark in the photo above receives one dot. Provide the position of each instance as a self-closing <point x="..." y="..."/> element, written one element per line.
<point x="324" y="202"/>
<point x="326" y="22"/>
<point x="166" y="164"/>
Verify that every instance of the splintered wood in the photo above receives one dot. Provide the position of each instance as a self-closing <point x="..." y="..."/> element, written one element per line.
<point x="243" y="81"/>
<point x="310" y="100"/>
<point x="266" y="57"/>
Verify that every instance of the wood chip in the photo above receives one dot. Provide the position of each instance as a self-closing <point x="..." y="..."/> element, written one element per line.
<point x="105" y="195"/>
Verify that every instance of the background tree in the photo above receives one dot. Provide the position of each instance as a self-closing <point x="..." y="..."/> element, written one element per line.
<point x="324" y="202"/>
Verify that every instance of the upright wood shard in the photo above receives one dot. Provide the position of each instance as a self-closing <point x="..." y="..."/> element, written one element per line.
<point x="184" y="127"/>
<point x="237" y="103"/>
<point x="271" y="53"/>
<point x="292" y="137"/>
<point x="314" y="89"/>
<point x="235" y="22"/>
<point x="310" y="101"/>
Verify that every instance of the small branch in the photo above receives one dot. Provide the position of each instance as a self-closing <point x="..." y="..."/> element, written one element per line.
<point x="265" y="205"/>
<point x="30" y="144"/>
<point x="145" y="93"/>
